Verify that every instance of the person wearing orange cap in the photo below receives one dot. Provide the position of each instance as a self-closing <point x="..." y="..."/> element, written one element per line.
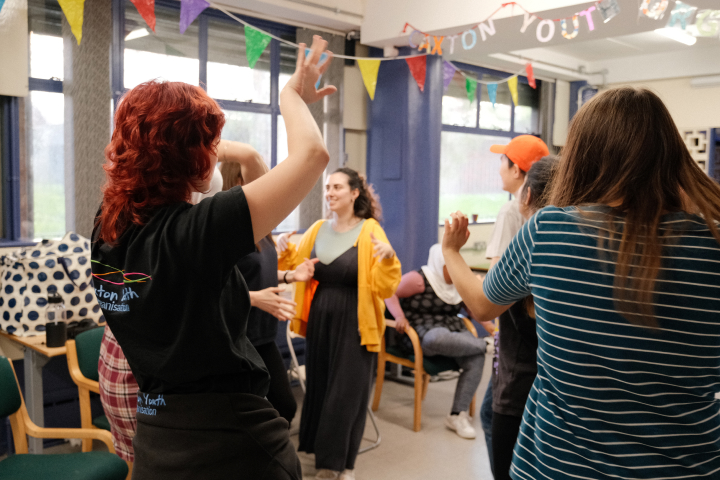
<point x="517" y="158"/>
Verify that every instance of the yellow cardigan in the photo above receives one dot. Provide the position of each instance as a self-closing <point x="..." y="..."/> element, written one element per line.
<point x="377" y="280"/>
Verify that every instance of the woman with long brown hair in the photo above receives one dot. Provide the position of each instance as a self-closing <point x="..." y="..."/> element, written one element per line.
<point x="624" y="269"/>
<point x="341" y="313"/>
<point x="165" y="273"/>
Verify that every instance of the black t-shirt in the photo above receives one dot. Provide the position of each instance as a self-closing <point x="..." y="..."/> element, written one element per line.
<point x="517" y="361"/>
<point x="176" y="302"/>
<point x="259" y="269"/>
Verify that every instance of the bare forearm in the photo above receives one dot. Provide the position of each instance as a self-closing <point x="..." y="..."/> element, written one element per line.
<point x="252" y="165"/>
<point x="286" y="276"/>
<point x="393" y="305"/>
<point x="272" y="197"/>
<point x="470" y="288"/>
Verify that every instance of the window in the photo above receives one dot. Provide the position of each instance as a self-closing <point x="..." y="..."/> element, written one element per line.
<point x="211" y="54"/>
<point x="469" y="178"/>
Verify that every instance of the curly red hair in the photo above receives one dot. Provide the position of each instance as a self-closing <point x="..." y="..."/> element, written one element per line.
<point x="165" y="133"/>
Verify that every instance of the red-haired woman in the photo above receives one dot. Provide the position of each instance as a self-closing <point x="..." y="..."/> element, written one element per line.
<point x="166" y="277"/>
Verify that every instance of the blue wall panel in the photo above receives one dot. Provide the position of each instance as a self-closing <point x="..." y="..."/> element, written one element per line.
<point x="404" y="157"/>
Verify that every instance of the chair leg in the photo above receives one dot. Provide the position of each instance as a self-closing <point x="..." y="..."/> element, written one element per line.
<point x="418" y="400"/>
<point x="472" y="406"/>
<point x="129" y="475"/>
<point x="378" y="439"/>
<point x="379" y="381"/>
<point x="85" y="417"/>
<point x="426" y="382"/>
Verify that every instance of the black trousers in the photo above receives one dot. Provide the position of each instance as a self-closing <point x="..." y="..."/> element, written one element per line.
<point x="505" y="429"/>
<point x="280" y="393"/>
<point x="212" y="436"/>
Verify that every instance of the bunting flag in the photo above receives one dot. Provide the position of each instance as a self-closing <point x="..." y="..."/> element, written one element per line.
<point x="323" y="57"/>
<point x="608" y="9"/>
<point x="2" y="2"/>
<point x="530" y="75"/>
<point x="146" y="9"/>
<point x="369" y="71"/>
<point x="255" y="44"/>
<point x="471" y="88"/>
<point x="73" y="10"/>
<point x="492" y="92"/>
<point x="189" y="11"/>
<point x="448" y="74"/>
<point x="418" y="68"/>
<point x="512" y="83"/>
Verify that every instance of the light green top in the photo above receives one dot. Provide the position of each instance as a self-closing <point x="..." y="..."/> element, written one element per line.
<point x="330" y="244"/>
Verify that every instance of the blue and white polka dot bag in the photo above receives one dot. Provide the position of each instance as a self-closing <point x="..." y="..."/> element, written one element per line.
<point x="61" y="266"/>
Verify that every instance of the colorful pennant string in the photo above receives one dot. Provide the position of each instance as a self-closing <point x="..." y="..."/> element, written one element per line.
<point x="448" y="74"/>
<point x="189" y="11"/>
<point x="418" y="69"/>
<point x="255" y="44"/>
<point x="146" y="9"/>
<point x="2" y="2"/>
<point x="471" y="88"/>
<point x="369" y="71"/>
<point x="512" y="84"/>
<point x="530" y="75"/>
<point x="492" y="92"/>
<point x="73" y="10"/>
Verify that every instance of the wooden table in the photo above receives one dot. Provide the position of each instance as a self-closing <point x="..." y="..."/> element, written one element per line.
<point x="37" y="354"/>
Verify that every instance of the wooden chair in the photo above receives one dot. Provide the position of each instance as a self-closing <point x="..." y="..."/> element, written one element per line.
<point x="83" y="354"/>
<point x="424" y="368"/>
<point x="76" y="466"/>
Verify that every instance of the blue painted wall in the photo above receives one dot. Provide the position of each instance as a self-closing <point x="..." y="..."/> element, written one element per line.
<point x="404" y="157"/>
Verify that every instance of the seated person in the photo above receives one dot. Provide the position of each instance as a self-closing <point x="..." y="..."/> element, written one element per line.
<point x="427" y="301"/>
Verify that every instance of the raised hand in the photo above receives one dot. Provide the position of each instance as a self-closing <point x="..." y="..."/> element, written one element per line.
<point x="308" y="70"/>
<point x="283" y="240"/>
<point x="456" y="233"/>
<point x="305" y="270"/>
<point x="381" y="249"/>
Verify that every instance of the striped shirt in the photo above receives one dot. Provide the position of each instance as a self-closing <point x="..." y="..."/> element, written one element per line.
<point x="614" y="400"/>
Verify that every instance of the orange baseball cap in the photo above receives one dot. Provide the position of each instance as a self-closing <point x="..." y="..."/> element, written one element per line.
<point x="523" y="151"/>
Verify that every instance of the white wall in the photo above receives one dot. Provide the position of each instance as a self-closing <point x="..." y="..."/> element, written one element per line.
<point x="690" y="107"/>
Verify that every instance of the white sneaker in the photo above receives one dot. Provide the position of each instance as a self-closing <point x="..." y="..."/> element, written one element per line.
<point x="325" y="474"/>
<point x="461" y="425"/>
<point x="347" y="475"/>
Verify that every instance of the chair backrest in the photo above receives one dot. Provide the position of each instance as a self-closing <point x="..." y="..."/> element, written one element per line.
<point x="10" y="400"/>
<point x="88" y="352"/>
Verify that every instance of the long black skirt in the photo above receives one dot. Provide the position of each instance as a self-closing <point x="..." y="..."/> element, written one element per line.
<point x="212" y="436"/>
<point x="338" y="369"/>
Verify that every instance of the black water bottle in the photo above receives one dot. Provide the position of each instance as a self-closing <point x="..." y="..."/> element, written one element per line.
<point x="55" y="321"/>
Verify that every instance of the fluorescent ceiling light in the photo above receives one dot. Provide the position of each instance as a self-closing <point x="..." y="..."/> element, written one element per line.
<point x="677" y="35"/>
<point x="139" y="33"/>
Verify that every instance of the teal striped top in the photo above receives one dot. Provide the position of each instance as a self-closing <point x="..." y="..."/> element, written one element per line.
<point x="613" y="400"/>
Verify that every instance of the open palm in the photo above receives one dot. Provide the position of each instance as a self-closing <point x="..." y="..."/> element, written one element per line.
<point x="308" y="70"/>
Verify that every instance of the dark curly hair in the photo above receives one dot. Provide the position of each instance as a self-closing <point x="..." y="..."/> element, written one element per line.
<point x="367" y="205"/>
<point x="159" y="153"/>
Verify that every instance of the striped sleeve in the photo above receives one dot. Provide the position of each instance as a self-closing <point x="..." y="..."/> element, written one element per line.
<point x="509" y="280"/>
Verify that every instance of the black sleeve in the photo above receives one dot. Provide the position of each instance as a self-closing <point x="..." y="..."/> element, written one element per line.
<point x="524" y="323"/>
<point x="217" y="233"/>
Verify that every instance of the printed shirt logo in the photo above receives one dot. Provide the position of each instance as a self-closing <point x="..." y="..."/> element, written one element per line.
<point x="113" y="301"/>
<point x="145" y="404"/>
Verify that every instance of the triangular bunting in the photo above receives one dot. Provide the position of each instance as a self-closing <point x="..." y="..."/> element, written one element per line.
<point x="369" y="71"/>
<point x="255" y="44"/>
<point x="146" y="9"/>
<point x="530" y="75"/>
<point x="189" y="11"/>
<point x="323" y="57"/>
<point x="512" y="84"/>
<point x="418" y="67"/>
<point x="73" y="10"/>
<point x="2" y="2"/>
<point x="471" y="88"/>
<point x="492" y="92"/>
<point x="448" y="74"/>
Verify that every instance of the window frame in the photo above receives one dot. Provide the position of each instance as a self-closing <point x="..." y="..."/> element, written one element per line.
<point x="484" y="131"/>
<point x="273" y="108"/>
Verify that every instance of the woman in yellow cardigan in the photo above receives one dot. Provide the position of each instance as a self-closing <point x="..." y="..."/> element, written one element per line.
<point x="341" y="313"/>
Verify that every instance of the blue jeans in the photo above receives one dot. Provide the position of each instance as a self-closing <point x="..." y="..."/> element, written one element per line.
<point x="486" y="415"/>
